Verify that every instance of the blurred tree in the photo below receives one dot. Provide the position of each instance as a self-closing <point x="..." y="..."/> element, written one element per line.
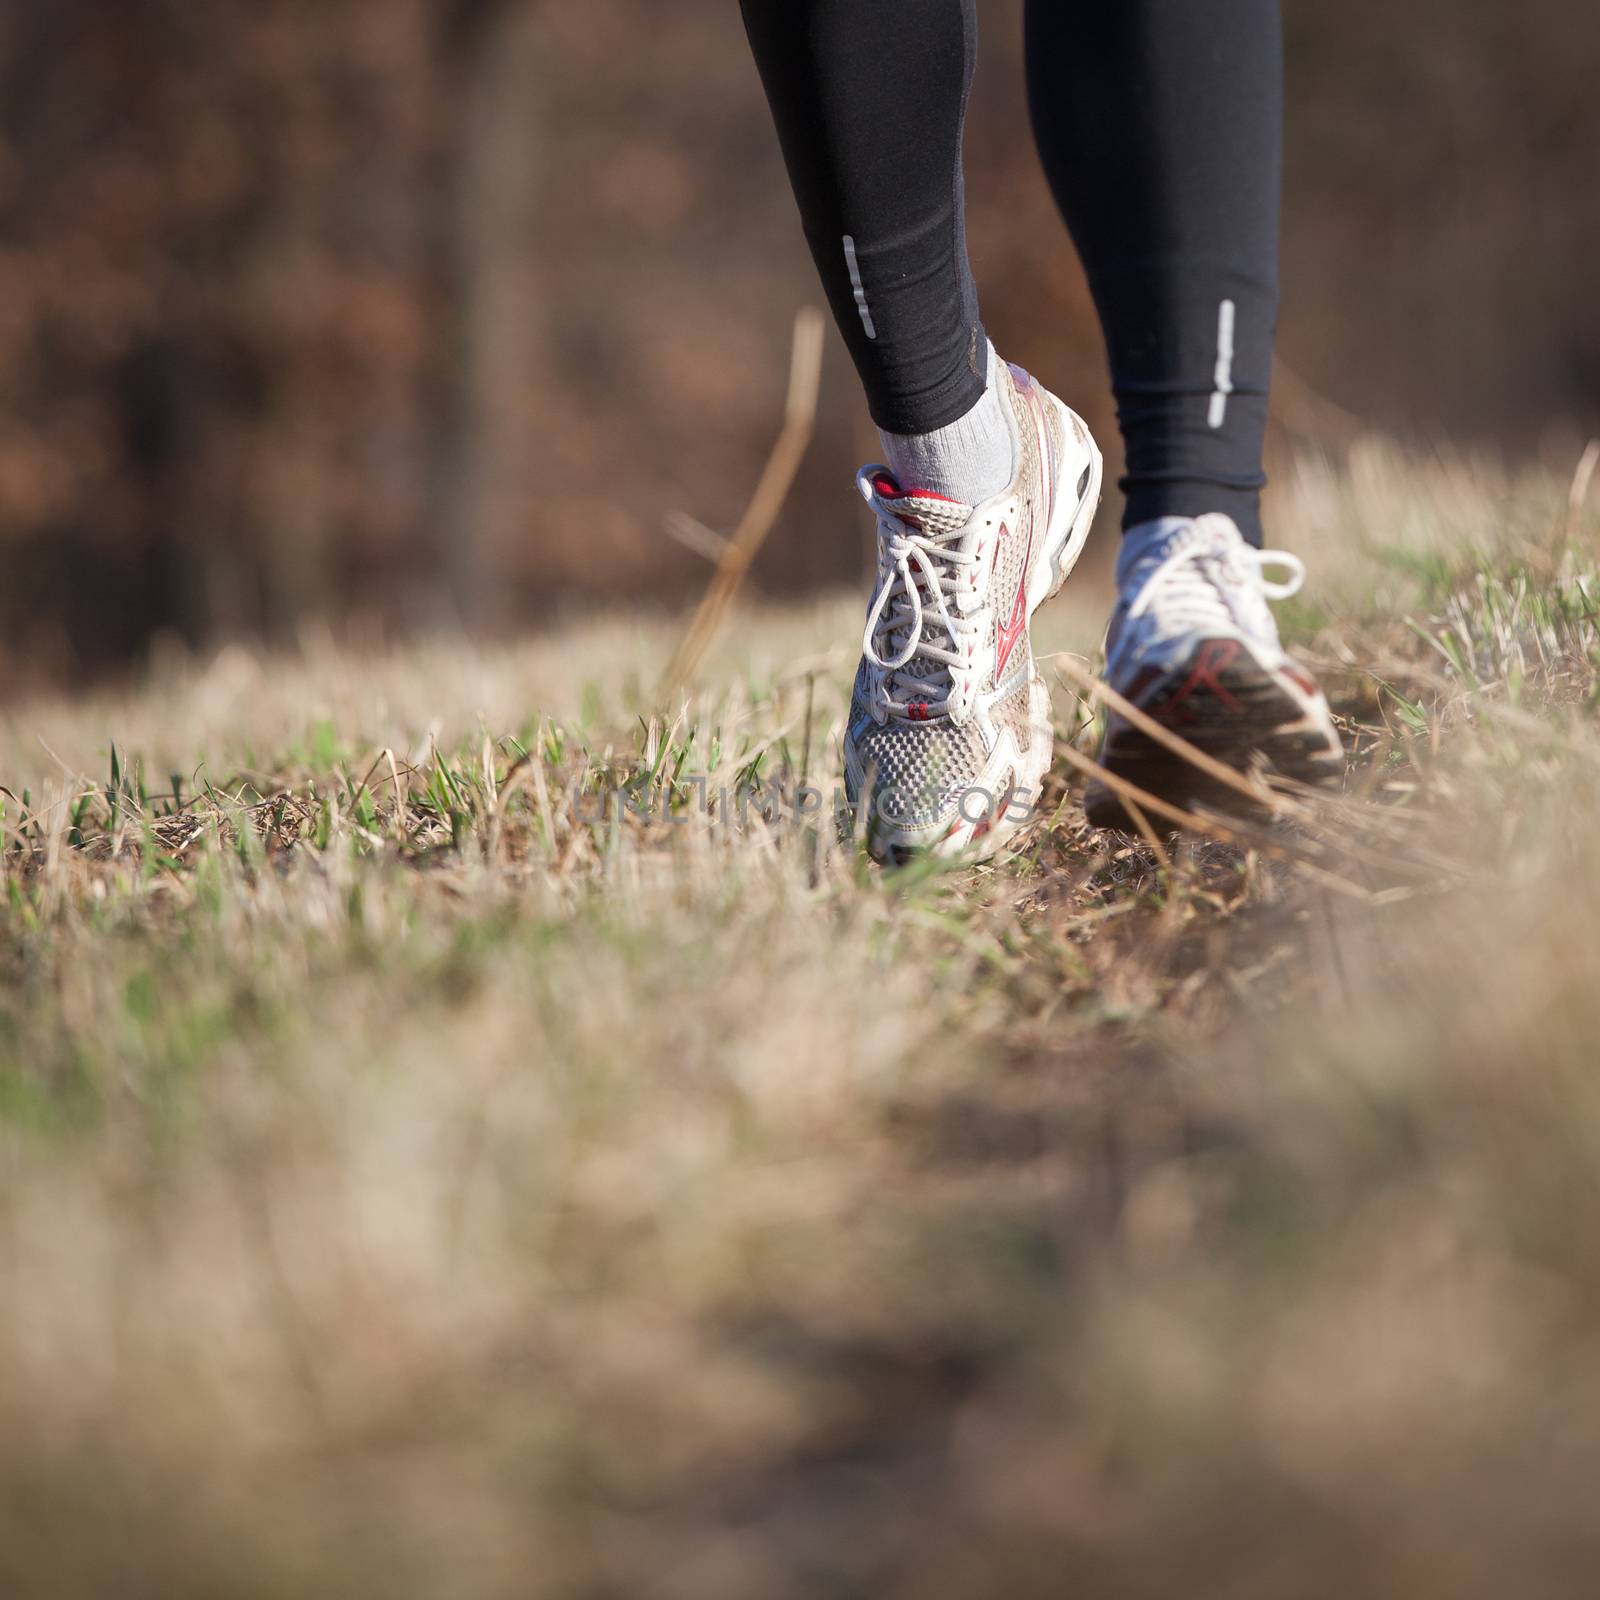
<point x="491" y="67"/>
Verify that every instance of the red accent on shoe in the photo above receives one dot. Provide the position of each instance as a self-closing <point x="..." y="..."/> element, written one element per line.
<point x="1009" y="631"/>
<point x="1215" y="656"/>
<point x="889" y="489"/>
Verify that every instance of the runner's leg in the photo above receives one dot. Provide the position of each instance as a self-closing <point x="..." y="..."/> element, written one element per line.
<point x="1160" y="126"/>
<point x="869" y="97"/>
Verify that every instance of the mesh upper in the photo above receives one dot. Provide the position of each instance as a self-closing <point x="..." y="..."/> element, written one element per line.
<point x="929" y="766"/>
<point x="1013" y="712"/>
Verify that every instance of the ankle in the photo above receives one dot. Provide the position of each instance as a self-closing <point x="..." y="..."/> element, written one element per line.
<point x="971" y="459"/>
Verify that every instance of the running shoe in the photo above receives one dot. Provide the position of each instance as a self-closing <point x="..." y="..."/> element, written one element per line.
<point x="1194" y="646"/>
<point x="949" y="737"/>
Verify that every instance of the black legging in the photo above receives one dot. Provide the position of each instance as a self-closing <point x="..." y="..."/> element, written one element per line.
<point x="1160" y="126"/>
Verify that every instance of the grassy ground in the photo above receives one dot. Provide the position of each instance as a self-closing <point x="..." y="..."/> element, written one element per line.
<point x="421" y="1175"/>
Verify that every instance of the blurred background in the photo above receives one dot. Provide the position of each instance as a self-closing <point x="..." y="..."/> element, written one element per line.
<point x="410" y="314"/>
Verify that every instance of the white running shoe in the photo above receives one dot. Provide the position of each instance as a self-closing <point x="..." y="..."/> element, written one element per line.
<point x="1193" y="644"/>
<point x="949" y="736"/>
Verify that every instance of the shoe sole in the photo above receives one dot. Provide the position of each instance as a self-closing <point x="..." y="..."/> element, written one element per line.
<point x="1236" y="711"/>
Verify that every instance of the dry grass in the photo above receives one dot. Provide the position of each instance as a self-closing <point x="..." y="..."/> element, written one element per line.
<point x="416" y="1182"/>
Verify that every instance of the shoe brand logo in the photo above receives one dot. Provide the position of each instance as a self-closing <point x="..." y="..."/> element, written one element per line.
<point x="1013" y="627"/>
<point x="1215" y="657"/>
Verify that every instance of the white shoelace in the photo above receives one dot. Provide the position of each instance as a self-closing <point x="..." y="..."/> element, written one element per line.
<point x="925" y="571"/>
<point x="1205" y="578"/>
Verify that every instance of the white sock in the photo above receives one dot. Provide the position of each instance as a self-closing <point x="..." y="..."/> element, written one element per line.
<point x="971" y="459"/>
